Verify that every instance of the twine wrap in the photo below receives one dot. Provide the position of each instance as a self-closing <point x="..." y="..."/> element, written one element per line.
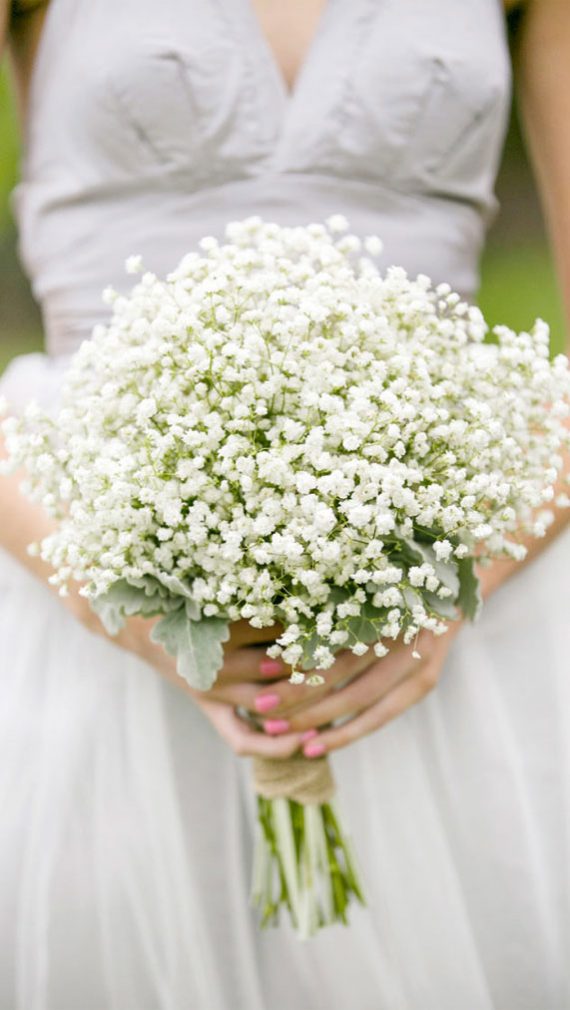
<point x="297" y="778"/>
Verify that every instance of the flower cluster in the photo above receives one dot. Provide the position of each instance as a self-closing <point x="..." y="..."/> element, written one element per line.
<point x="277" y="432"/>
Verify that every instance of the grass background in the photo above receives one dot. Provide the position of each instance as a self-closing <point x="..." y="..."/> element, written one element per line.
<point x="518" y="280"/>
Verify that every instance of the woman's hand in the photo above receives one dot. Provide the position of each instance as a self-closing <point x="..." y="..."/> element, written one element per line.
<point x="364" y="692"/>
<point x="245" y="670"/>
<point x="250" y="680"/>
<point x="284" y="734"/>
<point x="381" y="691"/>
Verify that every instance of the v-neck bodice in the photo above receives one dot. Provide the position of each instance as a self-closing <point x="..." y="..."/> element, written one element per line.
<point x="154" y="123"/>
<point x="272" y="30"/>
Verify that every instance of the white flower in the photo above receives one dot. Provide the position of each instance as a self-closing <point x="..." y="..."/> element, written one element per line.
<point x="380" y="650"/>
<point x="359" y="515"/>
<point x="134" y="265"/>
<point x="373" y="245"/>
<point x="145" y="410"/>
<point x="324" y="657"/>
<point x="359" y="648"/>
<point x="443" y="550"/>
<point x="297" y="677"/>
<point x="315" y="680"/>
<point x="338" y="637"/>
<point x="275" y="423"/>
<point x="337" y="223"/>
<point x="418" y="574"/>
<point x="305" y="482"/>
<point x="324" y="518"/>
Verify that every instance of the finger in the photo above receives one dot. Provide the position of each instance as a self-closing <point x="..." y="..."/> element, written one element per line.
<point x="366" y="680"/>
<point x="360" y="693"/>
<point x="293" y="698"/>
<point x="246" y="741"/>
<point x="240" y="694"/>
<point x="407" y="693"/>
<point x="279" y="697"/>
<point x="249" y="663"/>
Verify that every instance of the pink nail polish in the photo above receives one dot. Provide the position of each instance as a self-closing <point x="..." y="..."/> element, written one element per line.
<point x="275" y="726"/>
<point x="271" y="667"/>
<point x="309" y="734"/>
<point x="265" y="702"/>
<point x="314" y="750"/>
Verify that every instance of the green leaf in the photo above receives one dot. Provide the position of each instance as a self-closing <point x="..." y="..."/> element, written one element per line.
<point x="446" y="609"/>
<point x="197" y="646"/>
<point x="469" y="599"/>
<point x="123" y="600"/>
<point x="149" y="584"/>
<point x="193" y="611"/>
<point x="307" y="661"/>
<point x="179" y="588"/>
<point x="172" y="590"/>
<point x="445" y="571"/>
<point x="365" y="627"/>
<point x="412" y="597"/>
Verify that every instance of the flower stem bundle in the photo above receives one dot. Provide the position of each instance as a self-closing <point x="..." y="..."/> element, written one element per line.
<point x="304" y="858"/>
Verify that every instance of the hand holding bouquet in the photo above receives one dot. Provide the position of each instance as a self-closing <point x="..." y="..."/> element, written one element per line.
<point x="278" y="433"/>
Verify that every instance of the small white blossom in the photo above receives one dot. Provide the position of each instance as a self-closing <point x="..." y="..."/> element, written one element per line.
<point x="380" y="650"/>
<point x="443" y="549"/>
<point x="297" y="677"/>
<point x="278" y="433"/>
<point x="359" y="648"/>
<point x="373" y="245"/>
<point x="337" y="223"/>
<point x="134" y="265"/>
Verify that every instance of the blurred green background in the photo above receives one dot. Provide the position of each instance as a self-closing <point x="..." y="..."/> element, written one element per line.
<point x="518" y="282"/>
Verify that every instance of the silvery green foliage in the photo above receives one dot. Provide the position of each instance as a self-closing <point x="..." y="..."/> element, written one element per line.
<point x="194" y="641"/>
<point x="276" y="432"/>
<point x="197" y="645"/>
<point x="145" y="596"/>
<point x="469" y="598"/>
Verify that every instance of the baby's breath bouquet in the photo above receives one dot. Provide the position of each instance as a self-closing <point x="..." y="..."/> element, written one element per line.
<point x="279" y="433"/>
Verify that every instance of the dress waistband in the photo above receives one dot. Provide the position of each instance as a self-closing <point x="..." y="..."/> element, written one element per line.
<point x="440" y="237"/>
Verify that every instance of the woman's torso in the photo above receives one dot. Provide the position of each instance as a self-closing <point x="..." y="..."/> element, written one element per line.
<point x="151" y="124"/>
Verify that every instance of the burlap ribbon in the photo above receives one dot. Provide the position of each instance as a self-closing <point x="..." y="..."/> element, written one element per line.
<point x="306" y="780"/>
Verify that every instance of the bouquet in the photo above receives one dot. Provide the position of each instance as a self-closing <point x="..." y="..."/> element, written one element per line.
<point x="276" y="432"/>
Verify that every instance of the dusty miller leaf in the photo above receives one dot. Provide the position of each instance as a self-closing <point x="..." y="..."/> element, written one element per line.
<point x="366" y="626"/>
<point x="469" y="599"/>
<point x="312" y="642"/>
<point x="446" y="609"/>
<point x="446" y="571"/>
<point x="197" y="646"/>
<point x="150" y="585"/>
<point x="123" y="600"/>
<point x="179" y="588"/>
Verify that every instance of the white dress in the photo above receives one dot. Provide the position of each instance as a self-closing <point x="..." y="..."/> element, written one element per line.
<point x="125" y="822"/>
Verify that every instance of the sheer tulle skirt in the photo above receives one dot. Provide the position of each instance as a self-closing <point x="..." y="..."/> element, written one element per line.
<point x="126" y="826"/>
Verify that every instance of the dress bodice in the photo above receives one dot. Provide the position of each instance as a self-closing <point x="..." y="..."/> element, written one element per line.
<point x="154" y="123"/>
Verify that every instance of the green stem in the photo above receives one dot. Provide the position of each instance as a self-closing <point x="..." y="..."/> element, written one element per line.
<point x="307" y="852"/>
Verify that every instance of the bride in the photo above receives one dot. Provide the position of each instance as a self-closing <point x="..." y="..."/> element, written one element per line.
<point x="125" y="833"/>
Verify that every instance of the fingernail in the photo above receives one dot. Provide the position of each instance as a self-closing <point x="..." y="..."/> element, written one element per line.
<point x="275" y="726"/>
<point x="309" y="734"/>
<point x="265" y="702"/>
<point x="271" y="667"/>
<point x="314" y="750"/>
